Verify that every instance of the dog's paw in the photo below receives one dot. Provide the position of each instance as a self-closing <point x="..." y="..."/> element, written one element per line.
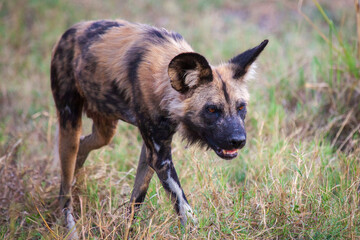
<point x="70" y="225"/>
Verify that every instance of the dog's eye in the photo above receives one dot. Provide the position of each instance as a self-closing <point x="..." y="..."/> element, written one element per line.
<point x="241" y="107"/>
<point x="211" y="109"/>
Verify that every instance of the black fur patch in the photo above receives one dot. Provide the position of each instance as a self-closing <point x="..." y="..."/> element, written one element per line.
<point x="70" y="109"/>
<point x="164" y="129"/>
<point x="134" y="58"/>
<point x="244" y="60"/>
<point x="68" y="58"/>
<point x="158" y="36"/>
<point x="94" y="32"/>
<point x="62" y="195"/>
<point x="226" y="94"/>
<point x="59" y="53"/>
<point x="176" y="36"/>
<point x="116" y="102"/>
<point x="70" y="32"/>
<point x="193" y="134"/>
<point x="140" y="199"/>
<point x="115" y="95"/>
<point x="65" y="43"/>
<point x="238" y="73"/>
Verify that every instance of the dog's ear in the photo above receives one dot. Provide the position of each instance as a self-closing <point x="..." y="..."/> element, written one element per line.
<point x="188" y="71"/>
<point x="242" y="62"/>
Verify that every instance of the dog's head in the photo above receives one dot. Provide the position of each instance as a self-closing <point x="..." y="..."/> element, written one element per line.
<point x="215" y="98"/>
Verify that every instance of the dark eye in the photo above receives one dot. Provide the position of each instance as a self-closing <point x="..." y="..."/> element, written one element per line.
<point x="241" y="107"/>
<point x="213" y="109"/>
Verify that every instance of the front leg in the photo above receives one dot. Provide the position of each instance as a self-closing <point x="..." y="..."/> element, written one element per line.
<point x="164" y="168"/>
<point x="170" y="181"/>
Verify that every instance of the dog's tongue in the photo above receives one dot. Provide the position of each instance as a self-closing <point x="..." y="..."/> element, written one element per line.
<point x="229" y="152"/>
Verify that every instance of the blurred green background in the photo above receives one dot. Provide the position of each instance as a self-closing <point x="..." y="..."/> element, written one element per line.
<point x="296" y="178"/>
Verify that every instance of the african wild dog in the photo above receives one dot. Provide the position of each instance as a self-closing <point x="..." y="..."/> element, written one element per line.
<point x="153" y="79"/>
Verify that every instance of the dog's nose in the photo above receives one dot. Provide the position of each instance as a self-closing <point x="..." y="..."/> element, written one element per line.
<point x="238" y="141"/>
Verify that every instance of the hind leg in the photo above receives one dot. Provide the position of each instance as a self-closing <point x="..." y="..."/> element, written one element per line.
<point x="143" y="177"/>
<point x="68" y="147"/>
<point x="103" y="131"/>
<point x="69" y="115"/>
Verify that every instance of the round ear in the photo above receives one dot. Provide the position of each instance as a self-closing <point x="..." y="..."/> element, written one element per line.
<point x="242" y="62"/>
<point x="188" y="71"/>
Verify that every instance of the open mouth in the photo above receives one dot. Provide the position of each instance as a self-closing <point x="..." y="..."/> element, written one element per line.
<point x="226" y="154"/>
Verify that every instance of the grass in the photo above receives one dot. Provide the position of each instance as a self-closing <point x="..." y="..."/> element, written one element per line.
<point x="296" y="178"/>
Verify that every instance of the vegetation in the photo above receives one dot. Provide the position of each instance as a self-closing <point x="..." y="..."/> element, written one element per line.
<point x="296" y="178"/>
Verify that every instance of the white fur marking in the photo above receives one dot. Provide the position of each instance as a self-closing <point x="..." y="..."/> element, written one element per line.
<point x="184" y="207"/>
<point x="166" y="162"/>
<point x="71" y="225"/>
<point x="251" y="73"/>
<point x="156" y="146"/>
<point x="191" y="77"/>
